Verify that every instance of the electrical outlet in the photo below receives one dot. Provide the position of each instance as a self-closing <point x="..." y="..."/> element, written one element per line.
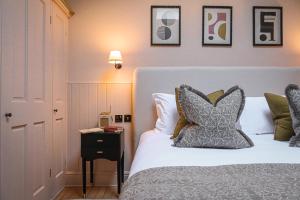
<point x="127" y="118"/>
<point x="118" y="118"/>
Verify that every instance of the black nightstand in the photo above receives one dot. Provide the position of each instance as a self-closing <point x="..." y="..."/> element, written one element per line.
<point x="102" y="145"/>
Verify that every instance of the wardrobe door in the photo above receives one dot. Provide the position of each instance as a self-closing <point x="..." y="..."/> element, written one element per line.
<point x="40" y="92"/>
<point x="59" y="59"/>
<point x="25" y="99"/>
<point x="1" y="12"/>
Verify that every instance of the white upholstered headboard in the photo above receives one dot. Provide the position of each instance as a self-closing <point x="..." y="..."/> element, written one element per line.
<point x="254" y="80"/>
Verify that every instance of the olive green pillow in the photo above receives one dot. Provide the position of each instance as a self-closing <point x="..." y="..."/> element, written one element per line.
<point x="182" y="122"/>
<point x="279" y="107"/>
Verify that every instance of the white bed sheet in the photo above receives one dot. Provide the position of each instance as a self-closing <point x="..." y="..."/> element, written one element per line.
<point x="155" y="150"/>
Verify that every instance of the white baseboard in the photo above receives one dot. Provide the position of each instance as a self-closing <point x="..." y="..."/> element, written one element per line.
<point x="105" y="178"/>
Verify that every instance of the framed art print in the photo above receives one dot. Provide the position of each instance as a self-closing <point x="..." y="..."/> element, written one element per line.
<point x="165" y="25"/>
<point x="217" y="25"/>
<point x="267" y="26"/>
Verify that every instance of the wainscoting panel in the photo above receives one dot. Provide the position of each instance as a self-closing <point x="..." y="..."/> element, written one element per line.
<point x="86" y="101"/>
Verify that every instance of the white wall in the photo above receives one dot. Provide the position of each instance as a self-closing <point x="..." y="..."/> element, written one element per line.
<point x="103" y="25"/>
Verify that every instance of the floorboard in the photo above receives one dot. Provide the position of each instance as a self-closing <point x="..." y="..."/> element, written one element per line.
<point x="92" y="193"/>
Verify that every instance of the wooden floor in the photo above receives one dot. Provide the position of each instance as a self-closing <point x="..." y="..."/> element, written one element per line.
<point x="92" y="193"/>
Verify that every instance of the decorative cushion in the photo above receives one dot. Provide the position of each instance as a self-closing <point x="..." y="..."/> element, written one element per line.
<point x="283" y="129"/>
<point x="212" y="126"/>
<point x="182" y="122"/>
<point x="167" y="115"/>
<point x="293" y="95"/>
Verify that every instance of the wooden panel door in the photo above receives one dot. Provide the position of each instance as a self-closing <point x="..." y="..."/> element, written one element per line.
<point x="25" y="99"/>
<point x="59" y="58"/>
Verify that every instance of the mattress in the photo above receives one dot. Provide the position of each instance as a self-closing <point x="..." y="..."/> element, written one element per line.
<point x="155" y="150"/>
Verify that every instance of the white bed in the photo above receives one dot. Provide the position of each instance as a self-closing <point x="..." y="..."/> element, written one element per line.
<point x="155" y="150"/>
<point x="160" y="170"/>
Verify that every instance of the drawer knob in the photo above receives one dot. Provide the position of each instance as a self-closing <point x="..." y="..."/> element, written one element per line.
<point x="99" y="141"/>
<point x="99" y="152"/>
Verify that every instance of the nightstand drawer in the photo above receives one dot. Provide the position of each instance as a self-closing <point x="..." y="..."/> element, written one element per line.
<point x="108" y="153"/>
<point x="101" y="141"/>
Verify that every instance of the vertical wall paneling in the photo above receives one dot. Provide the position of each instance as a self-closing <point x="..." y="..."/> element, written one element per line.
<point x="119" y="96"/>
<point x="86" y="101"/>
<point x="102" y="98"/>
<point x="92" y="105"/>
<point x="84" y="106"/>
<point x="73" y="153"/>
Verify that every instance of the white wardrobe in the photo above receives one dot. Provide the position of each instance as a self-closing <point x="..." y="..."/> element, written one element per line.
<point x="34" y="39"/>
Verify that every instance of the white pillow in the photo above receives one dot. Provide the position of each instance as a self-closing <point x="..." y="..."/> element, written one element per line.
<point x="256" y="117"/>
<point x="167" y="115"/>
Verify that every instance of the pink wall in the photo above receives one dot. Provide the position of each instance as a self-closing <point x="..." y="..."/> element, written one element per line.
<point x="103" y="25"/>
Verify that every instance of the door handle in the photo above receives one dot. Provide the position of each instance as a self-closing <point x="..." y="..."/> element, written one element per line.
<point x="55" y="110"/>
<point x="8" y="115"/>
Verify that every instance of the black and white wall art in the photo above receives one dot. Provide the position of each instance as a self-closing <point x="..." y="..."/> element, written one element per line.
<point x="267" y="26"/>
<point x="165" y="25"/>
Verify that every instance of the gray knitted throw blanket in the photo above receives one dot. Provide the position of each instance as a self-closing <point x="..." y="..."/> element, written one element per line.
<point x="230" y="182"/>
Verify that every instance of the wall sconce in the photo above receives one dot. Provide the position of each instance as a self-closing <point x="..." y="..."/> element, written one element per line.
<point x="115" y="58"/>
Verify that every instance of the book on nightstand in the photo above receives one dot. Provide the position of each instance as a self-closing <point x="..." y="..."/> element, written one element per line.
<point x="91" y="130"/>
<point x="113" y="129"/>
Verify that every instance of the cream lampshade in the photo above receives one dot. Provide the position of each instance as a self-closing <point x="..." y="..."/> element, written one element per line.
<point x="115" y="57"/>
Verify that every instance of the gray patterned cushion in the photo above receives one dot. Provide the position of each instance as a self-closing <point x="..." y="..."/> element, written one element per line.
<point x="212" y="126"/>
<point x="293" y="95"/>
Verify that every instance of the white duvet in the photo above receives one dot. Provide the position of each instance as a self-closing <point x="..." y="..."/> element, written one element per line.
<point x="155" y="150"/>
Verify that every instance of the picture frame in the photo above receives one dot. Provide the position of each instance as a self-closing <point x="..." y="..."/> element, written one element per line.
<point x="267" y="26"/>
<point x="165" y="25"/>
<point x="217" y="25"/>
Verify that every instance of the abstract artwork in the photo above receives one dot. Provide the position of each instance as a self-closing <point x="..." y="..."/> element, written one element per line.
<point x="217" y="25"/>
<point x="165" y="25"/>
<point x="267" y="26"/>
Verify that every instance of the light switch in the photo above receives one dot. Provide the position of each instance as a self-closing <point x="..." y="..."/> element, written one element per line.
<point x="127" y="118"/>
<point x="118" y="118"/>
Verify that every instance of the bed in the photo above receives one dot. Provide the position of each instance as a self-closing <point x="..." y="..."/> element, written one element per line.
<point x="269" y="170"/>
